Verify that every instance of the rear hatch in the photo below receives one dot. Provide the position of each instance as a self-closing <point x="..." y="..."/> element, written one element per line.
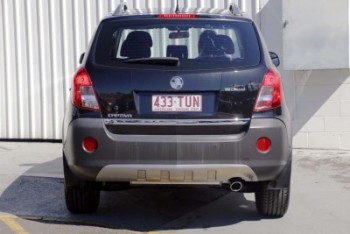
<point x="176" y="76"/>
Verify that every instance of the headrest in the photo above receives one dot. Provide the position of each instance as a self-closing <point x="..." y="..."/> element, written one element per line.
<point x="225" y="44"/>
<point x="137" y="45"/>
<point x="206" y="39"/>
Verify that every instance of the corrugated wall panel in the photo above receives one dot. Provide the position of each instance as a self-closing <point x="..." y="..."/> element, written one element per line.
<point x="3" y="85"/>
<point x="40" y="44"/>
<point x="12" y="105"/>
<point x="35" y="107"/>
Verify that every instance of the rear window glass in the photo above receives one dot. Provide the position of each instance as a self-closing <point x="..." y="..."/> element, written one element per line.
<point x="194" y="44"/>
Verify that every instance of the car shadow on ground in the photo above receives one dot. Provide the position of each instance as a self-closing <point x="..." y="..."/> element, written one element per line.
<point x="137" y="209"/>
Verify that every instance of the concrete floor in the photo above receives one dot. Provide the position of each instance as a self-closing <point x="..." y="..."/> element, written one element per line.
<point x="32" y="201"/>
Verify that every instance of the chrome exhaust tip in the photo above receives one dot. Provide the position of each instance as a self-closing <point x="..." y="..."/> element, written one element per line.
<point x="236" y="186"/>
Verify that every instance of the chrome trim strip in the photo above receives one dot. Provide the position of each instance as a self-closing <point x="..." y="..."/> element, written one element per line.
<point x="179" y="122"/>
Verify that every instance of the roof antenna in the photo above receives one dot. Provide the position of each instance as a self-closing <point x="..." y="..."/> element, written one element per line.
<point x="177" y="10"/>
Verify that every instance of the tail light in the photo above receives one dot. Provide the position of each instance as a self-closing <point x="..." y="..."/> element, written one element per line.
<point x="269" y="96"/>
<point x="83" y="92"/>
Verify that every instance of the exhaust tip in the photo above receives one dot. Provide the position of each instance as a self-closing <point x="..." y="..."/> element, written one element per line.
<point x="236" y="186"/>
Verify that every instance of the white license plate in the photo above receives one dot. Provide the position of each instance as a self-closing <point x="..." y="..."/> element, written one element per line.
<point x="177" y="103"/>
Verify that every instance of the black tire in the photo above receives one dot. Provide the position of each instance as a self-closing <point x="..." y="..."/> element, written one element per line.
<point x="80" y="200"/>
<point x="272" y="202"/>
<point x="81" y="196"/>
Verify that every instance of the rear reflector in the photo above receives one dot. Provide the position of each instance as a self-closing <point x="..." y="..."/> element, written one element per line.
<point x="269" y="96"/>
<point x="83" y="92"/>
<point x="263" y="145"/>
<point x="177" y="16"/>
<point x="89" y="144"/>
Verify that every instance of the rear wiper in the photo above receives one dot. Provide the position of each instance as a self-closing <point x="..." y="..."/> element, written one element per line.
<point x="170" y="61"/>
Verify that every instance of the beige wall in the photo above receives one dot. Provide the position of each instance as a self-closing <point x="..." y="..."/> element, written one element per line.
<point x="319" y="100"/>
<point x="322" y="115"/>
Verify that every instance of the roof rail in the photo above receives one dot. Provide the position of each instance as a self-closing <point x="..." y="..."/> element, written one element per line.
<point x="235" y="10"/>
<point x="121" y="9"/>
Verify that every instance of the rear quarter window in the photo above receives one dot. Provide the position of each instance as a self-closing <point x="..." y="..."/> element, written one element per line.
<point x="197" y="43"/>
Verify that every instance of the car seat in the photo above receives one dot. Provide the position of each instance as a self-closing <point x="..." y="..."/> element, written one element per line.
<point x="224" y="44"/>
<point x="206" y="44"/>
<point x="137" y="45"/>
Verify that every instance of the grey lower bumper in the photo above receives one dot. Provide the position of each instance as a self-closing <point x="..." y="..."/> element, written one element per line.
<point x="176" y="174"/>
<point x="177" y="158"/>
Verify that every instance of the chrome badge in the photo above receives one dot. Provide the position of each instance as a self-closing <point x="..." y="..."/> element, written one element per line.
<point x="177" y="82"/>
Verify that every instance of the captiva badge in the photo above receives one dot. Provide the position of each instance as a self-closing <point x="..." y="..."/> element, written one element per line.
<point x="177" y="82"/>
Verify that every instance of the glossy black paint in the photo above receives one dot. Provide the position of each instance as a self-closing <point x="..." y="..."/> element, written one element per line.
<point x="226" y="93"/>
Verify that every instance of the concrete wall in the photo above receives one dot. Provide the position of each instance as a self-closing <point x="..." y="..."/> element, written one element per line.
<point x="319" y="100"/>
<point x="316" y="34"/>
<point x="322" y="115"/>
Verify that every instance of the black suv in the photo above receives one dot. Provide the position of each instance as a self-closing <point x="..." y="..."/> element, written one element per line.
<point x="177" y="99"/>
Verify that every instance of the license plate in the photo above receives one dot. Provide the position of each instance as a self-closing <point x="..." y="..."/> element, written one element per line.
<point x="176" y="103"/>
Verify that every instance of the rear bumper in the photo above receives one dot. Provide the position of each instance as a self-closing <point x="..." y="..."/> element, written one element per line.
<point x="177" y="159"/>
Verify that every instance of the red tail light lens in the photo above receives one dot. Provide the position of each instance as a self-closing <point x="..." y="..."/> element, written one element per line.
<point x="263" y="145"/>
<point x="89" y="144"/>
<point x="269" y="96"/>
<point x="83" y="92"/>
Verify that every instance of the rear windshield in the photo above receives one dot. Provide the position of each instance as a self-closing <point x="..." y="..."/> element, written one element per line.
<point x="177" y="44"/>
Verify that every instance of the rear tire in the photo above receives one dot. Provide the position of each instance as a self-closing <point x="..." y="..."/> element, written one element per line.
<point x="80" y="200"/>
<point x="81" y="196"/>
<point x="272" y="202"/>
